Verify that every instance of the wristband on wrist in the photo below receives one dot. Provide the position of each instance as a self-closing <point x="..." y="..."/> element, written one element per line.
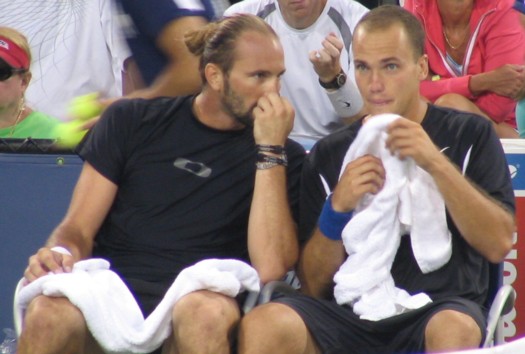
<point x="331" y="222"/>
<point x="346" y="100"/>
<point x="61" y="249"/>
<point x="274" y="149"/>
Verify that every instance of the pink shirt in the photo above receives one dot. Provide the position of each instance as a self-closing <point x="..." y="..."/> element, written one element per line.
<point x="497" y="38"/>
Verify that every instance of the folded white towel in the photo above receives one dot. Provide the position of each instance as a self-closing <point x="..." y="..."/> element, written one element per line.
<point x="111" y="312"/>
<point x="408" y="202"/>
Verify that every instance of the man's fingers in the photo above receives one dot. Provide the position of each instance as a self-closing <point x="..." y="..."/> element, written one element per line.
<point x="46" y="261"/>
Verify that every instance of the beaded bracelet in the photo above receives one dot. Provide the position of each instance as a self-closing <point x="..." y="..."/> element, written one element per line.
<point x="265" y="162"/>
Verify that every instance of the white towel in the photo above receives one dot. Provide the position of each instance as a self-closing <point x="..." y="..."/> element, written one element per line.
<point x="408" y="202"/>
<point x="111" y="312"/>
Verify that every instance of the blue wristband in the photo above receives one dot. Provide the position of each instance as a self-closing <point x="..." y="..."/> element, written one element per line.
<point x="331" y="222"/>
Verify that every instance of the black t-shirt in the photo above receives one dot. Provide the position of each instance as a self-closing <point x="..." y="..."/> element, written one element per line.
<point x="184" y="189"/>
<point x="472" y="145"/>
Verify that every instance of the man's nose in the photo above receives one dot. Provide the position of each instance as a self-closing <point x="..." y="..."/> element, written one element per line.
<point x="273" y="85"/>
<point x="376" y="82"/>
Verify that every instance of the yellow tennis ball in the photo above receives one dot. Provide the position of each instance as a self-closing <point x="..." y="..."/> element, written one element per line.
<point x="85" y="107"/>
<point x="69" y="134"/>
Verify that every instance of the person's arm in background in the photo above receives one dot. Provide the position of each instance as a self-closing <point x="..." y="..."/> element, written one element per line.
<point x="181" y="76"/>
<point x="347" y="100"/>
<point x="500" y="85"/>
<point x="495" y="89"/>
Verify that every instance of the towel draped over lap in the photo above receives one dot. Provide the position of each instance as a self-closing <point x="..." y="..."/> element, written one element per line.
<point x="111" y="312"/>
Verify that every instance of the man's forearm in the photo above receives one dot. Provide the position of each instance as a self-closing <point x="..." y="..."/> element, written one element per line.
<point x="272" y="234"/>
<point x="319" y="261"/>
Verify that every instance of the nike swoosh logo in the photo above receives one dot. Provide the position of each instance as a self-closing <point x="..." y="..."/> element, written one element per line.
<point x="347" y="104"/>
<point x="445" y="148"/>
<point x="197" y="168"/>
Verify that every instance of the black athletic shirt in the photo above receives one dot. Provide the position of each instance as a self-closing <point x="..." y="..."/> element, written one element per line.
<point x="465" y="139"/>
<point x="184" y="189"/>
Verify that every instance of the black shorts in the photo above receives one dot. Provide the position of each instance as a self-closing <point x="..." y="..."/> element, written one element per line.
<point x="336" y="329"/>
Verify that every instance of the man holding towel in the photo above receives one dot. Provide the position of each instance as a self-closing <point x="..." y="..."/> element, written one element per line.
<point x="168" y="182"/>
<point x="463" y="156"/>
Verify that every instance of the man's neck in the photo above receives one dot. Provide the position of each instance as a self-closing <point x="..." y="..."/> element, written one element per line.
<point x="209" y="111"/>
<point x="419" y="112"/>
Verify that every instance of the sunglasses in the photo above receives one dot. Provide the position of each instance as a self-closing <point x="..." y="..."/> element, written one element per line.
<point x="6" y="72"/>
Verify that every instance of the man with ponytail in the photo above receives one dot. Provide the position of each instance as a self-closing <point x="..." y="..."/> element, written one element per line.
<point x="169" y="182"/>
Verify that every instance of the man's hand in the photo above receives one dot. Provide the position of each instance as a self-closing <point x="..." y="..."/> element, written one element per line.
<point x="326" y="61"/>
<point x="46" y="261"/>
<point x="363" y="175"/>
<point x="408" y="139"/>
<point x="273" y="120"/>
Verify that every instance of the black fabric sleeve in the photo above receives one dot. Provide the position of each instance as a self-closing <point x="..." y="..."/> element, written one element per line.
<point x="105" y="145"/>
<point x="488" y="167"/>
<point x="312" y="199"/>
<point x="296" y="154"/>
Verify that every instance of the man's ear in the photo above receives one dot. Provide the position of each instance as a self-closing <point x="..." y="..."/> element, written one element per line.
<point x="214" y="76"/>
<point x="422" y="64"/>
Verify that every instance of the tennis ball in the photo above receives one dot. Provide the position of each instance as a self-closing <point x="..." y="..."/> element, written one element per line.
<point x="85" y="107"/>
<point x="69" y="134"/>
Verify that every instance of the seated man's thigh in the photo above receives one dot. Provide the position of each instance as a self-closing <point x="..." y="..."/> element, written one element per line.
<point x="275" y="328"/>
<point x="203" y="318"/>
<point x="336" y="329"/>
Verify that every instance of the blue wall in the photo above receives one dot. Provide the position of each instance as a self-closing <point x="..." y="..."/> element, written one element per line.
<point x="35" y="191"/>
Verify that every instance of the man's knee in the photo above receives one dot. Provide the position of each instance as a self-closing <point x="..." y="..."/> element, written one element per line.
<point x="274" y="328"/>
<point x="454" y="100"/>
<point x="48" y="312"/>
<point x="55" y="325"/>
<point x="203" y="322"/>
<point x="451" y="329"/>
<point x="206" y="309"/>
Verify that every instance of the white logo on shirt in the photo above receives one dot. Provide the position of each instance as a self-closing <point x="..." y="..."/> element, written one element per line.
<point x="197" y="168"/>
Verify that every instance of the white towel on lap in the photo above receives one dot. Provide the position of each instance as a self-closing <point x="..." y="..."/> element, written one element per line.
<point x="408" y="202"/>
<point x="111" y="312"/>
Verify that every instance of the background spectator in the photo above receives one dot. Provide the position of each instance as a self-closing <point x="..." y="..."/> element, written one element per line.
<point x="154" y="31"/>
<point x="17" y="120"/>
<point x="317" y="38"/>
<point x="476" y="53"/>
<point x="77" y="48"/>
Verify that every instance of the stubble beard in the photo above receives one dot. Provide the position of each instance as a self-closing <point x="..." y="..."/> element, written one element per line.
<point x="234" y="106"/>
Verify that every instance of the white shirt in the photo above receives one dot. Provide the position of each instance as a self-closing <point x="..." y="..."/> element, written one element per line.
<point x="77" y="48"/>
<point x="315" y="115"/>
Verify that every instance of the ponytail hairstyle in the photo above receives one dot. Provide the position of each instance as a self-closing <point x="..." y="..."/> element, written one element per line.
<point x="216" y="42"/>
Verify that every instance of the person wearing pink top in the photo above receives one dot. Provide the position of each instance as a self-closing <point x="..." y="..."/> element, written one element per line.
<point x="476" y="54"/>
